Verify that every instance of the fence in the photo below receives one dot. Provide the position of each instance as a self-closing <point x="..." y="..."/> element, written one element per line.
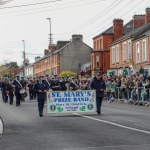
<point x="135" y="96"/>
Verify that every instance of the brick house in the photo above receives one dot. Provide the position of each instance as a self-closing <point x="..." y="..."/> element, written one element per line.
<point x="69" y="55"/>
<point x="132" y="49"/>
<point x="100" y="56"/>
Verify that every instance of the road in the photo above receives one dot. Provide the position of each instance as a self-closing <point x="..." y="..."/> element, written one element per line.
<point x="120" y="127"/>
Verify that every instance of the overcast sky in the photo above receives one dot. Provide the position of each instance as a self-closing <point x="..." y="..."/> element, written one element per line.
<point x="26" y="20"/>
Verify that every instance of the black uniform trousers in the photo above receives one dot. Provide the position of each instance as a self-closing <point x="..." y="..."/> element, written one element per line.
<point x="18" y="98"/>
<point x="41" y="106"/>
<point x="99" y="102"/>
<point x="11" y="97"/>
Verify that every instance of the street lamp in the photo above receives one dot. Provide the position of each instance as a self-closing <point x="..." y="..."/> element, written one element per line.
<point x="23" y="58"/>
<point x="50" y="43"/>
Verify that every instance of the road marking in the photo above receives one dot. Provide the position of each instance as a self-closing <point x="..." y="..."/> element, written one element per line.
<point x="114" y="124"/>
<point x="117" y="146"/>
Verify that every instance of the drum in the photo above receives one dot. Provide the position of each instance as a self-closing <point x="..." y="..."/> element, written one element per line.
<point x="23" y="93"/>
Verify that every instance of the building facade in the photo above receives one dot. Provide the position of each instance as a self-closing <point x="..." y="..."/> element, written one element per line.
<point x="69" y="55"/>
<point x="100" y="56"/>
<point x="29" y="73"/>
<point x="132" y="49"/>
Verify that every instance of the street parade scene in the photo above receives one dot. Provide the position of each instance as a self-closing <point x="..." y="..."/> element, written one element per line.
<point x="74" y="75"/>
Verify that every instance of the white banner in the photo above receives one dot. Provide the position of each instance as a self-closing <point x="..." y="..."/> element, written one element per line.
<point x="71" y="101"/>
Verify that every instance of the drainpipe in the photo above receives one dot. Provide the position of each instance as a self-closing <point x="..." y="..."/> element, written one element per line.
<point x="132" y="54"/>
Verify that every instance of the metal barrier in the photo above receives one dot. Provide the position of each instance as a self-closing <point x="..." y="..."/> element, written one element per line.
<point x="135" y="96"/>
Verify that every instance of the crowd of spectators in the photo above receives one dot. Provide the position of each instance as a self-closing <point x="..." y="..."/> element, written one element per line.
<point x="132" y="87"/>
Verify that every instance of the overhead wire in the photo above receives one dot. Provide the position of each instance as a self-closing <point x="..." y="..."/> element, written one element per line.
<point x="27" y="5"/>
<point x="45" y="7"/>
<point x="97" y="1"/>
<point x="93" y="19"/>
<point x="111" y="17"/>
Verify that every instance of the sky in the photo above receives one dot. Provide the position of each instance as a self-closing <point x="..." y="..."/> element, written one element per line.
<point x="27" y="20"/>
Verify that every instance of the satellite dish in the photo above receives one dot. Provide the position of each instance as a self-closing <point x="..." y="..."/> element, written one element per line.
<point x="1" y="127"/>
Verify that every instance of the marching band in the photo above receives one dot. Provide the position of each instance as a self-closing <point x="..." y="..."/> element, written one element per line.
<point x="21" y="88"/>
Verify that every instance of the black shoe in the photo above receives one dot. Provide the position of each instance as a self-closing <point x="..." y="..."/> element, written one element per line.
<point x="40" y="115"/>
<point x="99" y="112"/>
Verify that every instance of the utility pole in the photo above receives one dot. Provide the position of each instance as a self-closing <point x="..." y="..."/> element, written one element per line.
<point x="50" y="44"/>
<point x="24" y="58"/>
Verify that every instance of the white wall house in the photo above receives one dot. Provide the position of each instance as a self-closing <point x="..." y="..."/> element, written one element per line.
<point x="29" y="71"/>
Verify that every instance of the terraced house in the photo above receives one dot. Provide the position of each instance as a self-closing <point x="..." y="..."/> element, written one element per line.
<point x="100" y="56"/>
<point x="132" y="49"/>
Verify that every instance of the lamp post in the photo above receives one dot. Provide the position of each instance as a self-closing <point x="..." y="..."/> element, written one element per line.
<point x="50" y="43"/>
<point x="23" y="58"/>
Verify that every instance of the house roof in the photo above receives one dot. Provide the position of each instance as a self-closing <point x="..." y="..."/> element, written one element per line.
<point x="127" y="28"/>
<point x="143" y="34"/>
<point x="134" y="33"/>
<point x="56" y="51"/>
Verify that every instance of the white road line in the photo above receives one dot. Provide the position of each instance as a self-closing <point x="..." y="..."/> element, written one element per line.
<point x="117" y="146"/>
<point x="114" y="124"/>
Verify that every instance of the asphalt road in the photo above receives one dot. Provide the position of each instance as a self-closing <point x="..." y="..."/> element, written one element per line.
<point x="120" y="127"/>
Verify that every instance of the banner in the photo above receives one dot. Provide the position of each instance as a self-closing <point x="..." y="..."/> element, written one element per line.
<point x="71" y="101"/>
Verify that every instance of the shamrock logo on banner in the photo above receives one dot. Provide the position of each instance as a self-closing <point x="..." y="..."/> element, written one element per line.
<point x="59" y="109"/>
<point x="82" y="108"/>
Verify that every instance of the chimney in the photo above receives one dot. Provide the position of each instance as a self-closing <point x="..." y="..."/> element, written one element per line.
<point x="138" y="20"/>
<point x="77" y="38"/>
<point x="147" y="16"/>
<point x="37" y="58"/>
<point x="46" y="52"/>
<point x="61" y="44"/>
<point x="118" y="29"/>
<point x="53" y="47"/>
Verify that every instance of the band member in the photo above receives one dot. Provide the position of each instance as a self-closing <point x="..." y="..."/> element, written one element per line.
<point x="55" y="84"/>
<point x="99" y="85"/>
<point x="2" y="89"/>
<point x="30" y="88"/>
<point x="41" y="88"/>
<point x="6" y="90"/>
<point x="11" y="92"/>
<point x="63" y="84"/>
<point x="73" y="84"/>
<point x="34" y="92"/>
<point x="24" y="84"/>
<point x="47" y="80"/>
<point x="18" y="87"/>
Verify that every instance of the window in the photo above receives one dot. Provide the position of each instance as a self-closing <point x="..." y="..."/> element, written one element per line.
<point x="144" y="50"/>
<point x="100" y="43"/>
<point x="97" y="62"/>
<point x="92" y="62"/>
<point x="95" y="45"/>
<point x="129" y="50"/>
<point x="124" y="52"/>
<point x="113" y="55"/>
<point x="137" y="53"/>
<point x="117" y="54"/>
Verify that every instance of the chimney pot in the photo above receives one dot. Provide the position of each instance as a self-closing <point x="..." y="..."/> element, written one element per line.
<point x="147" y="16"/>
<point x="118" y="28"/>
<point x="138" y="20"/>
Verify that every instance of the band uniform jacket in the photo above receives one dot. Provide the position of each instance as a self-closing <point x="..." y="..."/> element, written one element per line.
<point x="55" y="85"/>
<point x="99" y="86"/>
<point x="41" y="86"/>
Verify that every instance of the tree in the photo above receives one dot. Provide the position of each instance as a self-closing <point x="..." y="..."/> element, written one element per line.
<point x="67" y="73"/>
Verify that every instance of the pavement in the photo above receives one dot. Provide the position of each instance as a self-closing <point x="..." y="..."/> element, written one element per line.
<point x="120" y="127"/>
